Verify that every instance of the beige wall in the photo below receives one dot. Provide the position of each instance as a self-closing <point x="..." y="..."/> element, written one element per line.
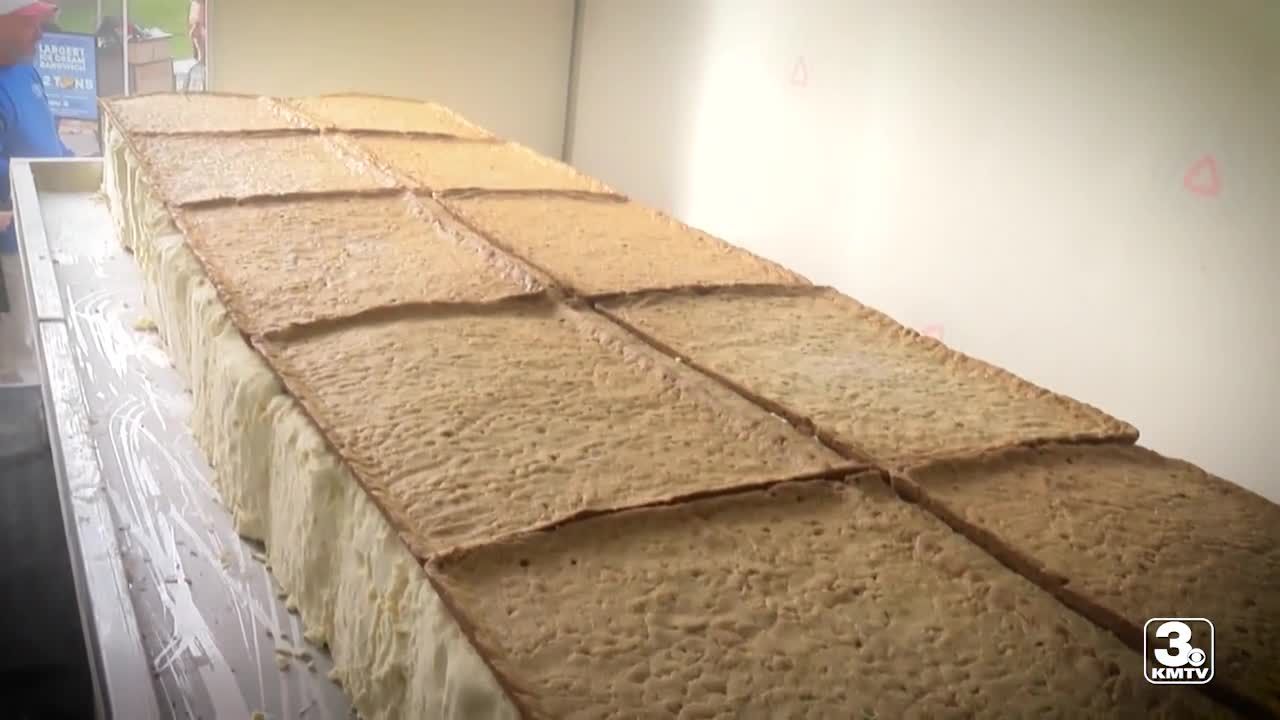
<point x="503" y="63"/>
<point x="1011" y="171"/>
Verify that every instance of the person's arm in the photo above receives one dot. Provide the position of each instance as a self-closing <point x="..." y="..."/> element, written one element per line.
<point x="8" y="117"/>
<point x="8" y="238"/>
<point x="37" y="139"/>
<point x="195" y="28"/>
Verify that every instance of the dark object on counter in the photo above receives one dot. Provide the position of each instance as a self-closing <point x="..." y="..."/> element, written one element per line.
<point x="44" y="668"/>
<point x="110" y="57"/>
<point x="150" y="64"/>
<point x="110" y="32"/>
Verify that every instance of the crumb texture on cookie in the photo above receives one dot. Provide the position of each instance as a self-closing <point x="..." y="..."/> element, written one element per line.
<point x="865" y="381"/>
<point x="196" y="113"/>
<point x="440" y="165"/>
<point x="285" y="262"/>
<point x="599" y="246"/>
<point x="1134" y="535"/>
<point x="467" y="427"/>
<point x="385" y="114"/>
<point x="809" y="600"/>
<point x="192" y="169"/>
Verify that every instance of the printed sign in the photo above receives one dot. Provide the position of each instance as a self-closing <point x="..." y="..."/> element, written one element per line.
<point x="68" y="66"/>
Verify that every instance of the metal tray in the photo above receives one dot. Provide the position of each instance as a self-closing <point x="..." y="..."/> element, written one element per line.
<point x="182" y="619"/>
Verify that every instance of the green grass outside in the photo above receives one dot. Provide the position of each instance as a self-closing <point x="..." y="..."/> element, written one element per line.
<point x="168" y="15"/>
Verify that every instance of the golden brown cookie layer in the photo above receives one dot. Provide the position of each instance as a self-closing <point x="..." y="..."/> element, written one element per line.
<point x="383" y="114"/>
<point x="197" y="113"/>
<point x="442" y="165"/>
<point x="469" y="426"/>
<point x="287" y="262"/>
<point x="1125" y="535"/>
<point x="865" y="382"/>
<point x="195" y="169"/>
<point x="598" y="246"/>
<point x="809" y="600"/>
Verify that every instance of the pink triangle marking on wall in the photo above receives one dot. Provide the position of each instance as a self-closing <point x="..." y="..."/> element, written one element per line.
<point x="1202" y="178"/>
<point x="800" y="73"/>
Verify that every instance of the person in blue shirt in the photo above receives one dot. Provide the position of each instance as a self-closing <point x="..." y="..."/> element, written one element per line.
<point x="27" y="127"/>
<point x="27" y="130"/>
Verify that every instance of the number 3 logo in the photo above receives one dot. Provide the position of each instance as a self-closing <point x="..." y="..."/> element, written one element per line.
<point x="1179" y="635"/>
